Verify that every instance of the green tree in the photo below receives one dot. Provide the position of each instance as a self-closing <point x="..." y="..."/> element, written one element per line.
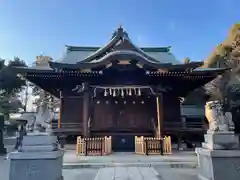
<point x="9" y="81"/>
<point x="226" y="55"/>
<point x="10" y="86"/>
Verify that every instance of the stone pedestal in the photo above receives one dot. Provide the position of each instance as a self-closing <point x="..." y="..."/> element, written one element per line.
<point x="220" y="140"/>
<point x="2" y="149"/>
<point x="38" y="158"/>
<point x="219" y="158"/>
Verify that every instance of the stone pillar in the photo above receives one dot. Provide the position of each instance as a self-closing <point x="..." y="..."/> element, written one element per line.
<point x="219" y="157"/>
<point x="86" y="102"/>
<point x="2" y="149"/>
<point x="38" y="158"/>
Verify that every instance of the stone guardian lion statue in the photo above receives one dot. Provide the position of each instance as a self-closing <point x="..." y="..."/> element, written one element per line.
<point x="218" y="120"/>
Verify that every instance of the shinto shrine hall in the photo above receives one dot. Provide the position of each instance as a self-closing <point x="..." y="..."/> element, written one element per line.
<point x="120" y="90"/>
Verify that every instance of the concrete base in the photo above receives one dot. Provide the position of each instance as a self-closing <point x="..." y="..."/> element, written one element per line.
<point x="39" y="158"/>
<point x="34" y="167"/>
<point x="218" y="164"/>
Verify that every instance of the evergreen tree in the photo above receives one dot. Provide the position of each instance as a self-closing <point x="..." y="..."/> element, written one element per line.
<point x="226" y="55"/>
<point x="10" y="86"/>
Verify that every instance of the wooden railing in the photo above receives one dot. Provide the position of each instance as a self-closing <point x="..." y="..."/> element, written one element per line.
<point x="149" y="145"/>
<point x="183" y="125"/>
<point x="67" y="127"/>
<point x="94" y="146"/>
<point x="78" y="127"/>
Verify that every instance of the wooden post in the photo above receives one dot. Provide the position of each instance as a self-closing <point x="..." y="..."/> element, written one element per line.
<point x="60" y="110"/>
<point x="161" y="146"/>
<point x="146" y="144"/>
<point x="86" y="99"/>
<point x="86" y="146"/>
<point x="158" y="116"/>
<point x="183" y="121"/>
<point x="180" y="144"/>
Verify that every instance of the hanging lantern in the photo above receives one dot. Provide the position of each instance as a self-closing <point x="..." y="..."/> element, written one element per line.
<point x="139" y="92"/>
<point x="105" y="92"/>
<point x="130" y="92"/>
<point x="122" y="92"/>
<point x="114" y="92"/>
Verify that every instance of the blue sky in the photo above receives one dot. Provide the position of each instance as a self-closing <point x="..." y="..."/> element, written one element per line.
<point x="191" y="27"/>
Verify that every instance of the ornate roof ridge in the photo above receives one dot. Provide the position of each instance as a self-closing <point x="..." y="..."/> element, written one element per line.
<point x="118" y="38"/>
<point x="95" y="48"/>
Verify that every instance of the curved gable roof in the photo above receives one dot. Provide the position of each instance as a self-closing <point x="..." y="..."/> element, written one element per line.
<point x="73" y="57"/>
<point x="120" y="40"/>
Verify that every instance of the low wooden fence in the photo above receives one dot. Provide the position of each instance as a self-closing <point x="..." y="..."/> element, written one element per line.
<point x="149" y="145"/>
<point x="94" y="146"/>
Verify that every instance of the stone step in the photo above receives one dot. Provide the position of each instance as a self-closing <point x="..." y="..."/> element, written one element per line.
<point x="186" y="165"/>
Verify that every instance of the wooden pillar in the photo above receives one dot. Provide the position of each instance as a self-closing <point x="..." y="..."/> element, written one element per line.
<point x="90" y="115"/>
<point x="86" y="102"/>
<point x="180" y="144"/>
<point x="183" y="122"/>
<point x="60" y="110"/>
<point x="159" y="115"/>
<point x="61" y="136"/>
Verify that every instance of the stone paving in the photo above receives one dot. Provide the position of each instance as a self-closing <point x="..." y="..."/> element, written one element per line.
<point x="80" y="174"/>
<point x="130" y="173"/>
<point x="124" y="173"/>
<point x="117" y="173"/>
<point x="182" y="156"/>
<point x="118" y="170"/>
<point x="176" y="174"/>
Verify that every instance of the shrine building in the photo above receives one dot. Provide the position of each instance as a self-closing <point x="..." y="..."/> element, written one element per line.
<point x="120" y="90"/>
